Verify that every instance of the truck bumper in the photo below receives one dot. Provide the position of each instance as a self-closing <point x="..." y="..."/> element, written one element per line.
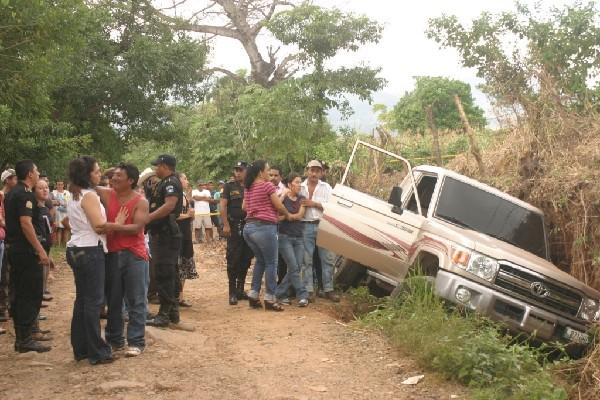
<point x="518" y="315"/>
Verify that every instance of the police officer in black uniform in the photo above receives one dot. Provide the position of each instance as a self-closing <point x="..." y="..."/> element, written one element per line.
<point x="166" y="202"/>
<point x="26" y="256"/>
<point x="239" y="254"/>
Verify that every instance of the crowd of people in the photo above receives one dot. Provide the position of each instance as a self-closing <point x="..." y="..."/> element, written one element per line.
<point x="130" y="235"/>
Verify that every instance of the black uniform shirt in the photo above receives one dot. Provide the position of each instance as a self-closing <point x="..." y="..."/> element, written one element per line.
<point x="20" y="202"/>
<point x="233" y="191"/>
<point x="44" y="226"/>
<point x="167" y="187"/>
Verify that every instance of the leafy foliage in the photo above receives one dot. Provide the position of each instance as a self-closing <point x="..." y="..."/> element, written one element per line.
<point x="78" y="77"/>
<point x="531" y="52"/>
<point x="409" y="113"/>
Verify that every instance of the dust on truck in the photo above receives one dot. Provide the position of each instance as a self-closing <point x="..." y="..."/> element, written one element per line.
<point x="481" y="248"/>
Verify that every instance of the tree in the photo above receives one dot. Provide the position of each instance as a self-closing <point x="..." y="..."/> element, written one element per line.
<point x="530" y="53"/>
<point x="320" y="34"/>
<point x="409" y="114"/>
<point x="88" y="77"/>
<point x="241" y="20"/>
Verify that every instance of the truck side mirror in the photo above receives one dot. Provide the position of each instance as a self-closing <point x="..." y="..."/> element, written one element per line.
<point x="396" y="199"/>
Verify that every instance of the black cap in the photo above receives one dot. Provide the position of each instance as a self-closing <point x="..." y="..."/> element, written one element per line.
<point x="241" y="165"/>
<point x="165" y="159"/>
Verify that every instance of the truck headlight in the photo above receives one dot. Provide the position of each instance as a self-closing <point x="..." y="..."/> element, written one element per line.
<point x="590" y="310"/>
<point x="482" y="266"/>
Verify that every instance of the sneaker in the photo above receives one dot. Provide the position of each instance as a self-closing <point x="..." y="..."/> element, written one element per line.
<point x="303" y="303"/>
<point x="286" y="301"/>
<point x="133" y="351"/>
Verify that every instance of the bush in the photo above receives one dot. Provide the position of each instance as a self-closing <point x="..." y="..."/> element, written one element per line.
<point x="466" y="348"/>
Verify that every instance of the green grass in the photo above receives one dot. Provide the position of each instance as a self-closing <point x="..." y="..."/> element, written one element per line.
<point x="464" y="347"/>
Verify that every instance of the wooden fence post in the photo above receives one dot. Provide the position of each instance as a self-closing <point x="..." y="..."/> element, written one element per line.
<point x="469" y="131"/>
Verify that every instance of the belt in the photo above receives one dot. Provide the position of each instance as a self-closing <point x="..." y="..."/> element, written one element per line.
<point x="316" y="221"/>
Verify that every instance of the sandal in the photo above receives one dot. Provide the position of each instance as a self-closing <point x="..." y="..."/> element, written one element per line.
<point x="254" y="303"/>
<point x="273" y="306"/>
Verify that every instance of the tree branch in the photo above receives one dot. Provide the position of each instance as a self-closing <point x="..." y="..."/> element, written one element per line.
<point x="227" y="72"/>
<point x="190" y="26"/>
<point x="285" y="69"/>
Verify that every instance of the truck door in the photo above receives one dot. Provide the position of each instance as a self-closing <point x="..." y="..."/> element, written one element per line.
<point x="366" y="229"/>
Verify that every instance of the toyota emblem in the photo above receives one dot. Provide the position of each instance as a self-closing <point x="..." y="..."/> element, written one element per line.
<point x="539" y="290"/>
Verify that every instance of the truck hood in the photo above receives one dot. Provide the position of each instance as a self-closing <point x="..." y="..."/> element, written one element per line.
<point x="503" y="251"/>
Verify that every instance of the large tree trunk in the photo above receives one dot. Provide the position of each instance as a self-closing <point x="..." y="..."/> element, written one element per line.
<point x="246" y="18"/>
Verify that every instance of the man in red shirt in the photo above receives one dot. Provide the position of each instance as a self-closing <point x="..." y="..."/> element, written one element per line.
<point x="127" y="270"/>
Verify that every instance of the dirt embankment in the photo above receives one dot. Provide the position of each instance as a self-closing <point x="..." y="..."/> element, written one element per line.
<point x="235" y="353"/>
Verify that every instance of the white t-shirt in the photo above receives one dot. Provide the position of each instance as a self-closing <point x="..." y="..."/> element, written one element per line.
<point x="201" y="207"/>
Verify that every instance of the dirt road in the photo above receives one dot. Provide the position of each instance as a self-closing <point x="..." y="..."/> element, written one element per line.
<point x="235" y="353"/>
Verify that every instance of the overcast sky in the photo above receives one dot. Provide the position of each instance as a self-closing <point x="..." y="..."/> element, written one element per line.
<point x="403" y="52"/>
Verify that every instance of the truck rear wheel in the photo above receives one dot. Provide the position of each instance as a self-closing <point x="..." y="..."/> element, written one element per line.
<point x="348" y="273"/>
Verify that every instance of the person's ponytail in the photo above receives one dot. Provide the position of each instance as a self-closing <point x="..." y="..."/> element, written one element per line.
<point x="252" y="172"/>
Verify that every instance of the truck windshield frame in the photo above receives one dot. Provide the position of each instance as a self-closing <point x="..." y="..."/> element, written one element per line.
<point x="470" y="207"/>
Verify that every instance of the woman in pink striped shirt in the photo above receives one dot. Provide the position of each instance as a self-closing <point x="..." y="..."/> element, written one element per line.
<point x="262" y="206"/>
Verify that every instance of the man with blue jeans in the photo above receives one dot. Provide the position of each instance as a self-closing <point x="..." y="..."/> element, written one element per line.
<point x="127" y="269"/>
<point x="316" y="192"/>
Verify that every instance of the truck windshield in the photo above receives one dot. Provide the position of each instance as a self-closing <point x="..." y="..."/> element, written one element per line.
<point x="476" y="209"/>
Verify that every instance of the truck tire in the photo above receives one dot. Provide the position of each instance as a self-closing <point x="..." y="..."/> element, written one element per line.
<point x="348" y="273"/>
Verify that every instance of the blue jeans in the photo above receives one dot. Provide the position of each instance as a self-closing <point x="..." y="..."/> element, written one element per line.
<point x="262" y="239"/>
<point x="89" y="271"/>
<point x="327" y="260"/>
<point x="291" y="249"/>
<point x="126" y="277"/>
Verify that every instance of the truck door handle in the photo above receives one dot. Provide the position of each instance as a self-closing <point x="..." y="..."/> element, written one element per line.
<point x="345" y="203"/>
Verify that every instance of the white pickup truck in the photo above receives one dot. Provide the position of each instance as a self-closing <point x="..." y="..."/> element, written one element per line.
<point x="482" y="248"/>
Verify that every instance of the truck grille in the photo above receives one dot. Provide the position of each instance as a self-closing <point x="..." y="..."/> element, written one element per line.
<point x="538" y="289"/>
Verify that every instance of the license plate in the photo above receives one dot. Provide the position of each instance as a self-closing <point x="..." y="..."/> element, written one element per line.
<point x="576" y="336"/>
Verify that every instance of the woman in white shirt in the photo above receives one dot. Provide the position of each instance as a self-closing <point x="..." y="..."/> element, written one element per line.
<point x="86" y="255"/>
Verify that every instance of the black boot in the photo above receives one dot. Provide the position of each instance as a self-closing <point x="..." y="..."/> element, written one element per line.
<point x="174" y="313"/>
<point x="161" y="320"/>
<point x="241" y="281"/>
<point x="25" y="343"/>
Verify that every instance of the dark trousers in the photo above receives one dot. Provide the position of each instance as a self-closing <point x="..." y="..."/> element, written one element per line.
<point x="239" y="256"/>
<point x="4" y="284"/>
<point x="317" y="270"/>
<point x="26" y="291"/>
<point x="165" y="250"/>
<point x="281" y="269"/>
<point x="88" y="269"/>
